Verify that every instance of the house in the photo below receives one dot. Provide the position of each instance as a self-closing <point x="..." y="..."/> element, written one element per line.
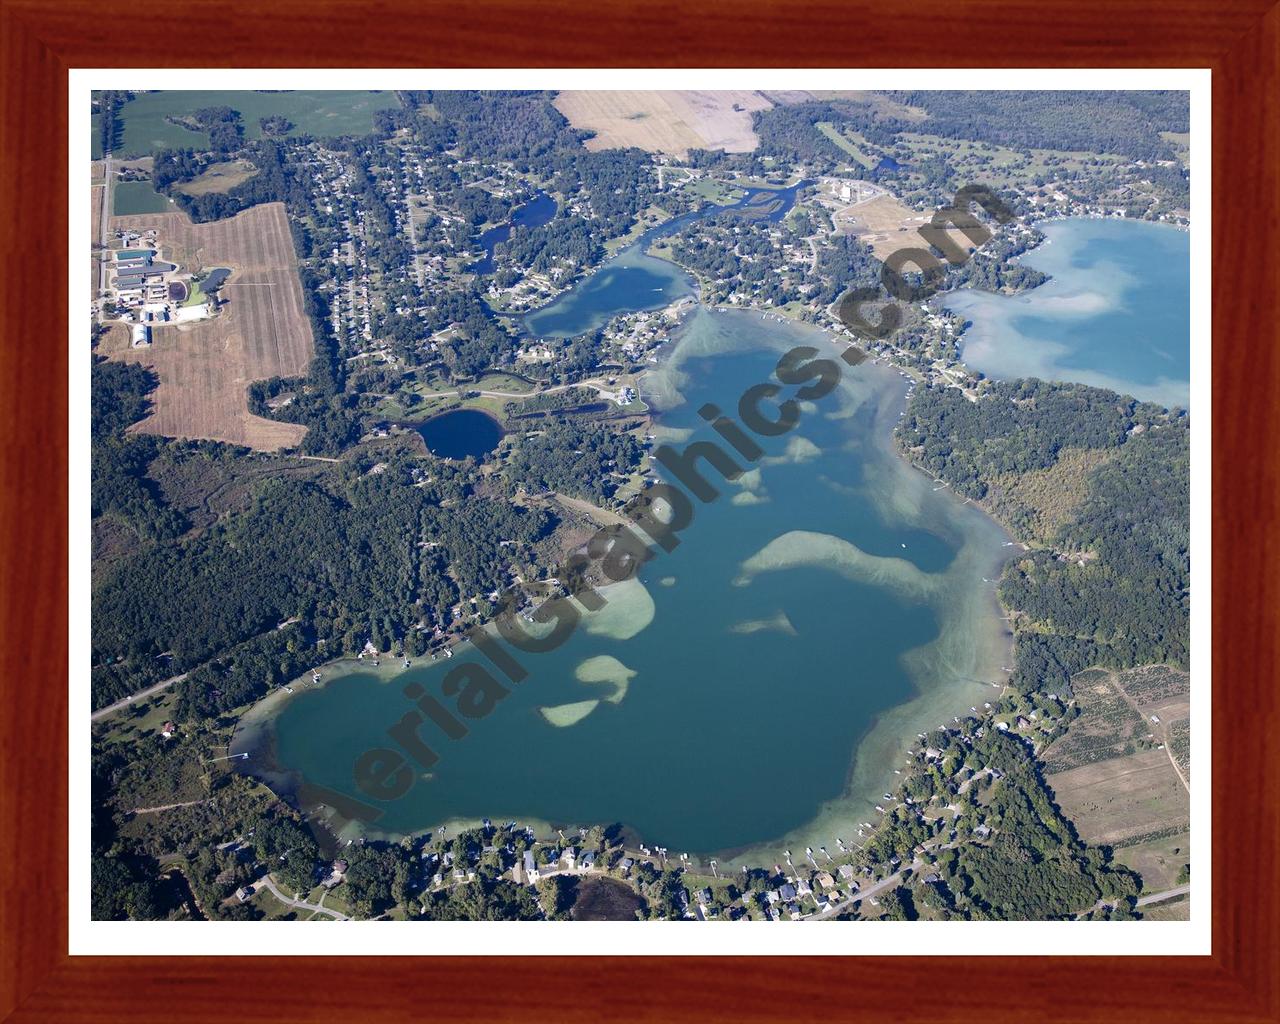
<point x="787" y="892"/>
<point x="825" y="879"/>
<point x="530" y="866"/>
<point x="802" y="887"/>
<point x="625" y="865"/>
<point x="168" y="730"/>
<point x="570" y="858"/>
<point x="587" y="861"/>
<point x="336" y="873"/>
<point x="704" y="896"/>
<point x="244" y="893"/>
<point x="846" y="871"/>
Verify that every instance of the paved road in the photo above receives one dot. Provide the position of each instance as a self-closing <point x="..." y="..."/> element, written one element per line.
<point x="150" y="691"/>
<point x="271" y="887"/>
<point x="103" y="262"/>
<point x="600" y="388"/>
<point x="168" y="807"/>
<point x="1168" y="894"/>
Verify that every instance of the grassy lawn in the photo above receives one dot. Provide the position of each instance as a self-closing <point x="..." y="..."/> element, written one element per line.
<point x="719" y="192"/>
<point x="195" y="294"/>
<point x="221" y="177"/>
<point x="834" y="134"/>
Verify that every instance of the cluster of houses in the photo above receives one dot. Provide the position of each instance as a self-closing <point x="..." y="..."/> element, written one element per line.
<point x="146" y="292"/>
<point x="528" y="870"/>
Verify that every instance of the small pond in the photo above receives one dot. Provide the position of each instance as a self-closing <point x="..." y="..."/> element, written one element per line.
<point x="462" y="432"/>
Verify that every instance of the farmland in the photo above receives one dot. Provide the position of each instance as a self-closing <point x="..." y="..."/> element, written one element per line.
<point x="1113" y="775"/>
<point x="261" y="331"/>
<point x="318" y="112"/>
<point x="665" y="122"/>
<point x="132" y="197"/>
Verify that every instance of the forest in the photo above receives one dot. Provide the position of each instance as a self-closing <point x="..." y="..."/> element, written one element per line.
<point x="581" y="460"/>
<point x="1112" y="586"/>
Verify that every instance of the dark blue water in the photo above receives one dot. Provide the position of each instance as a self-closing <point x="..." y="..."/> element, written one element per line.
<point x="214" y="281"/>
<point x="461" y="433"/>
<point x="634" y="281"/>
<point x="538" y="211"/>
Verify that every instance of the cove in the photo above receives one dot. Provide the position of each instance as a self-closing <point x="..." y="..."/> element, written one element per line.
<point x="1114" y="314"/>
<point x="634" y="282"/>
<point x="533" y="214"/>
<point x="750" y="689"/>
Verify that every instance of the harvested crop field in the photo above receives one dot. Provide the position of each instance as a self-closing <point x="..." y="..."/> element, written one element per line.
<point x="665" y="122"/>
<point x="261" y="331"/>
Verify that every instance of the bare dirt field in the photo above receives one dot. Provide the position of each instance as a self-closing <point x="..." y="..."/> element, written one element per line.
<point x="883" y="223"/>
<point x="665" y="122"/>
<point x="261" y="331"/>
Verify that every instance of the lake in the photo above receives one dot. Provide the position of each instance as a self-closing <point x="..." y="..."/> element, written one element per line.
<point x="461" y="433"/>
<point x="633" y="281"/>
<point x="1114" y="315"/>
<point x="751" y="689"/>
<point x="533" y="214"/>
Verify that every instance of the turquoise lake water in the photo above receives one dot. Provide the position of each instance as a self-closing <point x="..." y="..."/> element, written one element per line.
<point x="1115" y="315"/>
<point x="830" y="602"/>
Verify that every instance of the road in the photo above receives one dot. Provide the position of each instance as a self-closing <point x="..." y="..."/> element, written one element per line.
<point x="105" y="235"/>
<point x="271" y="887"/>
<point x="1168" y="894"/>
<point x="545" y="391"/>
<point x="150" y="691"/>
<point x="168" y="807"/>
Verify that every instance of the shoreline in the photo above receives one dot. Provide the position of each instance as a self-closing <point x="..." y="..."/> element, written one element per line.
<point x="888" y="736"/>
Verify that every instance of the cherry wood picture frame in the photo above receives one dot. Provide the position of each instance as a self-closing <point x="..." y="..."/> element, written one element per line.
<point x="39" y="41"/>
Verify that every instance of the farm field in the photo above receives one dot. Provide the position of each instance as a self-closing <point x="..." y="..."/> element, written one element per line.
<point x="318" y="112"/>
<point x="665" y="122"/>
<point x="1122" y="797"/>
<point x="133" y="197"/>
<point x="1112" y="777"/>
<point x="262" y="330"/>
<point x="221" y="177"/>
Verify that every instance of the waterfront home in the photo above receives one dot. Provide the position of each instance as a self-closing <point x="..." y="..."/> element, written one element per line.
<point x="530" y="866"/>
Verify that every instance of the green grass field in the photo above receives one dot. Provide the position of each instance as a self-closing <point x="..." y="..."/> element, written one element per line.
<point x="316" y="112"/>
<point x="842" y="140"/>
<point x="130" y="197"/>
